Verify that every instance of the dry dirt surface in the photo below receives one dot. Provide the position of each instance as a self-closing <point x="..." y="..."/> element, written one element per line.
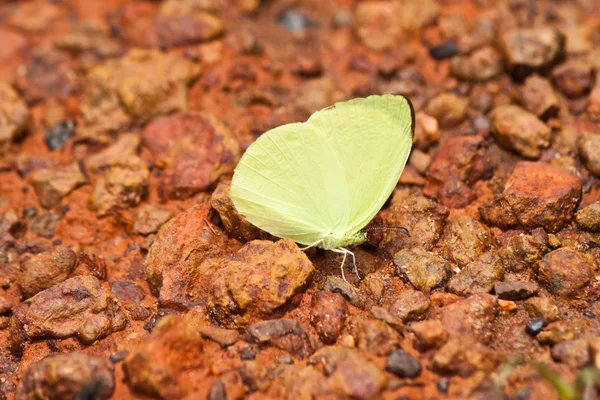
<point x="126" y="272"/>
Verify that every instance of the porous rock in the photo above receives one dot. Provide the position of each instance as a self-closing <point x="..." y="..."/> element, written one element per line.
<point x="589" y="217"/>
<point x="284" y="334"/>
<point x="328" y="315"/>
<point x="14" y="116"/>
<point x="478" y="276"/>
<point x="520" y="131"/>
<point x="46" y="269"/>
<point x="423" y="269"/>
<point x="471" y="316"/>
<point x="465" y="239"/>
<point x="52" y="184"/>
<point x="463" y="356"/>
<point x="565" y="271"/>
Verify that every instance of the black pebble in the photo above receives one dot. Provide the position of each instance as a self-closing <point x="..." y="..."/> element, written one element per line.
<point x="59" y="134"/>
<point x="535" y="325"/>
<point x="118" y="356"/>
<point x="589" y="314"/>
<point x="402" y="364"/>
<point x="442" y="385"/>
<point x="444" y="50"/>
<point x="293" y="21"/>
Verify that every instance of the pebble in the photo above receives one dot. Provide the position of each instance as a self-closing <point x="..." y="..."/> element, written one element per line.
<point x="444" y="50"/>
<point x="535" y="326"/>
<point x="376" y="337"/>
<point x="574" y="353"/>
<point x="588" y="146"/>
<point x="515" y="290"/>
<point x="430" y="334"/>
<point x="377" y="24"/>
<point x="328" y="315"/>
<point x="15" y="116"/>
<point x="521" y="252"/>
<point x="480" y="65"/>
<point x="423" y="269"/>
<point x="448" y="109"/>
<point x="463" y="355"/>
<point x="294" y="21"/>
<point x="538" y="97"/>
<point x="410" y="305"/>
<point x="574" y="78"/>
<point x="284" y="334"/>
<point x="478" y="276"/>
<point x="473" y="316"/>
<point x="46" y="269"/>
<point x="403" y="364"/>
<point x="520" y="131"/>
<point x="465" y="239"/>
<point x="52" y="184"/>
<point x="443" y="385"/>
<point x="58" y="135"/>
<point x="566" y="271"/>
<point x="589" y="217"/>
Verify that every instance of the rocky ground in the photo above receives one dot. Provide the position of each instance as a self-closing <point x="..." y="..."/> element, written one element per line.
<point x="127" y="273"/>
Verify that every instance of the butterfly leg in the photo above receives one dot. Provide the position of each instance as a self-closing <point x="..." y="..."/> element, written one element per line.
<point x="354" y="263"/>
<point x="318" y="242"/>
<point x="345" y="253"/>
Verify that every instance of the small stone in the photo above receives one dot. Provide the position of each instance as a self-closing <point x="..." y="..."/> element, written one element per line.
<point x="574" y="78"/>
<point x="120" y="153"/>
<point x="557" y="332"/>
<point x="463" y="356"/>
<point x="225" y="337"/>
<point x="441" y="51"/>
<point x="574" y="353"/>
<point x="175" y="27"/>
<point x="523" y="251"/>
<point x="67" y="376"/>
<point x="260" y="278"/>
<point x="443" y="385"/>
<point x="117" y="357"/>
<point x="529" y="50"/>
<point x="294" y="21"/>
<point x="403" y="364"/>
<point x="427" y="131"/>
<point x="589" y="314"/>
<point x="520" y="131"/>
<point x="165" y="364"/>
<point x="565" y="271"/>
<point x="377" y="337"/>
<point x="478" y="276"/>
<point x="465" y="239"/>
<point x="448" y="109"/>
<point x="589" y="151"/>
<point x="535" y="195"/>
<point x="515" y="290"/>
<point x="430" y="334"/>
<point x="589" y="217"/>
<point x="52" y="184"/>
<point x="460" y="163"/>
<point x="480" y="65"/>
<point x="471" y="316"/>
<point x="423" y="269"/>
<point x="336" y="284"/>
<point x="44" y="225"/>
<point x="149" y="219"/>
<point x="538" y="97"/>
<point x="58" y="135"/>
<point x="535" y="326"/>
<point x="287" y="335"/>
<point x="420" y="161"/>
<point x="411" y="304"/>
<point x="376" y="24"/>
<point x="328" y="315"/>
<point x="507" y="305"/>
<point x="14" y="116"/>
<point x="46" y="269"/>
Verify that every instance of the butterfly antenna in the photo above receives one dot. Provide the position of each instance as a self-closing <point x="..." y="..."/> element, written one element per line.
<point x="390" y="228"/>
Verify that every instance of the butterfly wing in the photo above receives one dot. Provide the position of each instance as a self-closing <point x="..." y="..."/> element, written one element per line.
<point x="372" y="138"/>
<point x="287" y="183"/>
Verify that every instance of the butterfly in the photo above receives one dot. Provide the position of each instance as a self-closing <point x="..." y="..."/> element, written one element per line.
<point x="320" y="182"/>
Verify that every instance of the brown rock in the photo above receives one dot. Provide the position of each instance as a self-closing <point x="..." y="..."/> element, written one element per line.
<point x="410" y="305"/>
<point x="130" y="296"/>
<point x="67" y="376"/>
<point x="538" y="97"/>
<point x="284" y="334"/>
<point x="184" y="258"/>
<point x="448" y="109"/>
<point x="116" y="155"/>
<point x="556" y="332"/>
<point x="422" y="217"/>
<point x="589" y="217"/>
<point x="535" y="195"/>
<point x="14" y="116"/>
<point x="427" y="131"/>
<point x="120" y="187"/>
<point x="574" y="353"/>
<point x="574" y="78"/>
<point x="260" y="278"/>
<point x="235" y="223"/>
<point x="520" y="131"/>
<point x="176" y="27"/>
<point x="52" y="184"/>
<point x="463" y="356"/>
<point x="169" y="362"/>
<point x="460" y="163"/>
<point x="465" y="239"/>
<point x="377" y="337"/>
<point x="376" y="24"/>
<point x="354" y="296"/>
<point x="423" y="269"/>
<point x="478" y="276"/>
<point x="77" y="307"/>
<point x="225" y="337"/>
<point x="515" y="290"/>
<point x="529" y="50"/>
<point x="125" y="77"/>
<point x="90" y="264"/>
<point x="303" y="382"/>
<point x="430" y="334"/>
<point x="589" y="151"/>
<point x="328" y="315"/>
<point x="90" y="41"/>
<point x="565" y="271"/>
<point x="199" y="149"/>
<point x="350" y="372"/>
<point x="44" y="225"/>
<point x="523" y="251"/>
<point x="480" y="65"/>
<point x="417" y="14"/>
<point x="47" y="73"/>
<point x="149" y="219"/>
<point x="544" y="307"/>
<point x="46" y="269"/>
<point x="471" y="316"/>
<point x="255" y="375"/>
